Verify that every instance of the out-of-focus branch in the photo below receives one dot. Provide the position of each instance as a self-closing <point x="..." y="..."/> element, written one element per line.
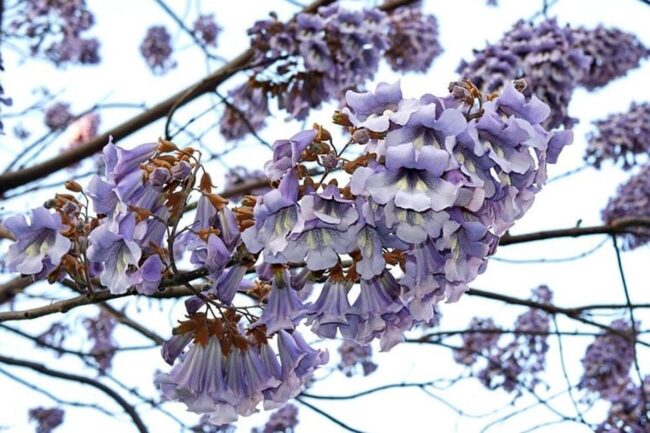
<point x="328" y="416"/>
<point x="40" y="368"/>
<point x="12" y="287"/>
<point x="18" y="178"/>
<point x="54" y="397"/>
<point x="138" y="327"/>
<point x="622" y="225"/>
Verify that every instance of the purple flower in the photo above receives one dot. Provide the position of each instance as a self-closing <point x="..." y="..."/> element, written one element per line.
<point x="100" y="332"/>
<point x="353" y="356"/>
<point x="276" y="214"/>
<point x="328" y="207"/>
<point x="227" y="383"/>
<point x="283" y="309"/>
<point x="329" y="311"/>
<point x="286" y="153"/>
<point x="607" y="361"/>
<point x="113" y="245"/>
<point x="206" y="29"/>
<point x="252" y="109"/>
<point x="621" y="137"/>
<point x="283" y="420"/>
<point x="482" y="337"/>
<point x="632" y="200"/>
<point x="147" y="278"/>
<point x="157" y="50"/>
<point x="375" y="111"/>
<point x="46" y="419"/>
<point x="543" y="54"/>
<point x="611" y="53"/>
<point x="39" y="247"/>
<point x="413" y="40"/>
<point x="58" y="116"/>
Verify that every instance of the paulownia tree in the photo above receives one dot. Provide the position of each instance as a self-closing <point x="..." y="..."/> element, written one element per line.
<point x="343" y="260"/>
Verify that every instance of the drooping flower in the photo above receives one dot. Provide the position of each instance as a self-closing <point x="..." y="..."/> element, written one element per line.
<point x="39" y="247"/>
<point x="225" y="375"/>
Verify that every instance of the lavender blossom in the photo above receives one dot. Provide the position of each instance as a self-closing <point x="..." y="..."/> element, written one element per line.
<point x="283" y="420"/>
<point x="621" y="137"/>
<point x="227" y="382"/>
<point x="56" y="29"/>
<point x="632" y="200"/>
<point x="482" y="337"/>
<point x="413" y="40"/>
<point x="40" y="245"/>
<point x="247" y="112"/>
<point x="353" y="356"/>
<point x="629" y="410"/>
<point x="156" y="48"/>
<point x="46" y="419"/>
<point x="58" y="116"/>
<point x="544" y="54"/>
<point x="611" y="53"/>
<point x="607" y="361"/>
<point x="206" y="29"/>
<point x="100" y="332"/>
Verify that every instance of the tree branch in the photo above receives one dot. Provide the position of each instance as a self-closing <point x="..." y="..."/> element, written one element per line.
<point x="622" y="225"/>
<point x="18" y="178"/>
<point x="80" y="379"/>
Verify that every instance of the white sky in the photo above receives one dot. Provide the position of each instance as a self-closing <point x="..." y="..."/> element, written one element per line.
<point x="464" y="25"/>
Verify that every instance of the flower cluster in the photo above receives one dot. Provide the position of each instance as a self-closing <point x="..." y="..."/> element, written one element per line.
<point x="621" y="137"/>
<point x="432" y="184"/>
<point x="629" y="410"/>
<point x="54" y="337"/>
<point x="543" y="54"/>
<point x="206" y="29"/>
<point x="58" y="116"/>
<point x="482" y="337"/>
<point x="100" y="332"/>
<point x="46" y="419"/>
<point x="283" y="420"/>
<point x="607" y="361"/>
<point x="632" y="200"/>
<point x="55" y="28"/>
<point x="611" y="53"/>
<point x="156" y="49"/>
<point x="519" y="361"/>
<point x="312" y="59"/>
<point x="413" y="39"/>
<point x="353" y="356"/>
<point x="225" y="373"/>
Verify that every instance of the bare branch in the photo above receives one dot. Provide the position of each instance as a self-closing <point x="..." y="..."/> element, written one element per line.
<point x="128" y="408"/>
